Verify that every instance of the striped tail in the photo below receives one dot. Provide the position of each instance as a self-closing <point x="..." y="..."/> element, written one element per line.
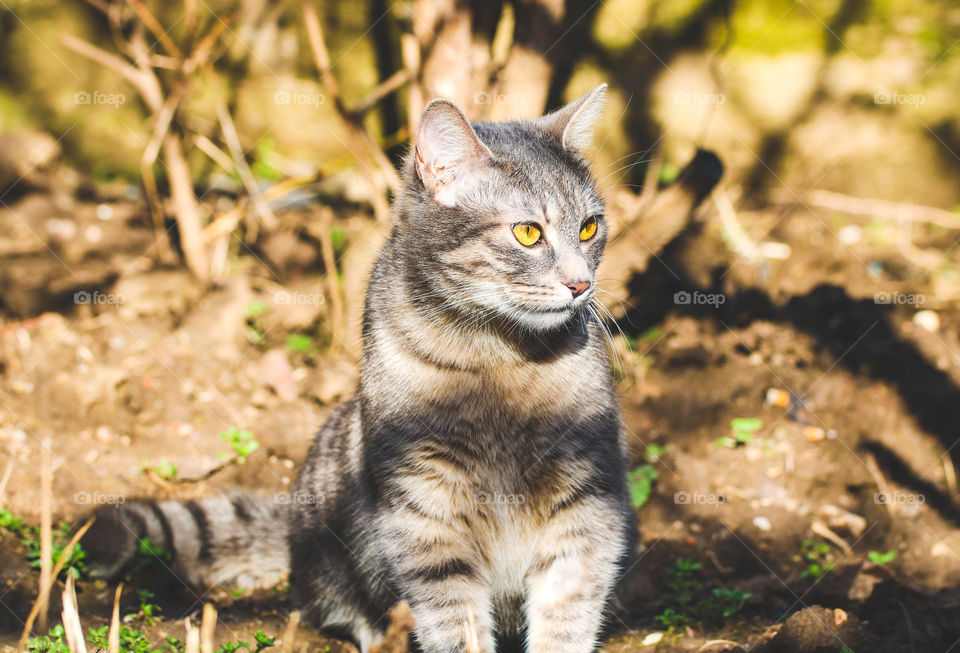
<point x="235" y="540"/>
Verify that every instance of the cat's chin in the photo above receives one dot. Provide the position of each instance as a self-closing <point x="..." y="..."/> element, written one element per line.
<point x="543" y="320"/>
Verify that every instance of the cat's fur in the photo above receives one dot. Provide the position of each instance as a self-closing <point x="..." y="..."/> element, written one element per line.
<point x="480" y="472"/>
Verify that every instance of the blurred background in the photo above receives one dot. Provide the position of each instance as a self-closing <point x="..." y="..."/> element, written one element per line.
<point x="192" y="193"/>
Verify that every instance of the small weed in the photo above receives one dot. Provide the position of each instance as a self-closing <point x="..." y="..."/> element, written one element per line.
<point x="134" y="640"/>
<point x="241" y="442"/>
<point x="881" y="558"/>
<point x="338" y="238"/>
<point x="654" y="452"/>
<point x="300" y="343"/>
<point x="165" y="470"/>
<point x="816" y="555"/>
<point x="641" y="481"/>
<point x="74" y="566"/>
<point x="668" y="172"/>
<point x="262" y="642"/>
<point x="254" y="330"/>
<point x="150" y="551"/>
<point x="691" y="602"/>
<point x="147" y="613"/>
<point x="742" y="430"/>
<point x="55" y="642"/>
<point x="728" y="602"/>
<point x="9" y="522"/>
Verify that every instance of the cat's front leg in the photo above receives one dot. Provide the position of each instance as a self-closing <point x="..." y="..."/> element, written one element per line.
<point x="436" y="571"/>
<point x="569" y="588"/>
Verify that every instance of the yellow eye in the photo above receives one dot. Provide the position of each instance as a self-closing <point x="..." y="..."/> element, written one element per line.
<point x="588" y="228"/>
<point x="527" y="233"/>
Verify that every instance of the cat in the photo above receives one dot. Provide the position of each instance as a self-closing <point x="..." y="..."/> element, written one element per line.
<point x="480" y="472"/>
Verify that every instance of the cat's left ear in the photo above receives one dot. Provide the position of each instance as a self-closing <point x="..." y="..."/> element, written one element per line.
<point x="573" y="124"/>
<point x="448" y="154"/>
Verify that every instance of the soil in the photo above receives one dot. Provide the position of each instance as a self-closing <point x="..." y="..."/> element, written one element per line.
<point x="861" y="458"/>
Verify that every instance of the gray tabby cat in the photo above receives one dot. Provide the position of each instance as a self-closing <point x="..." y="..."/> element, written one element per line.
<point x="480" y="472"/>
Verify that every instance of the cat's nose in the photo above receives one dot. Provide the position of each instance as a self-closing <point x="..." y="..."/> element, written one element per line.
<point x="577" y="288"/>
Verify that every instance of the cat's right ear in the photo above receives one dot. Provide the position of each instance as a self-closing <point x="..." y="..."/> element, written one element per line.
<point x="448" y="155"/>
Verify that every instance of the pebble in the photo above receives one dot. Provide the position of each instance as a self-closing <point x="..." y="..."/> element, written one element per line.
<point x="762" y="523"/>
<point x="927" y="320"/>
<point x="104" y="212"/>
<point x="93" y="234"/>
<point x="941" y="549"/>
<point x="850" y="235"/>
<point x="651" y="639"/>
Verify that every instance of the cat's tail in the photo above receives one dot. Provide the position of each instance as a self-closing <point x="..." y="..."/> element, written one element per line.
<point x="235" y="539"/>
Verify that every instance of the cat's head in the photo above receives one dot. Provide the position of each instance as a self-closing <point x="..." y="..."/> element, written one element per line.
<point x="504" y="219"/>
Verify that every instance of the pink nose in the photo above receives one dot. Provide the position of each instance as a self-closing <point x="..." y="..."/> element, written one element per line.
<point x="577" y="288"/>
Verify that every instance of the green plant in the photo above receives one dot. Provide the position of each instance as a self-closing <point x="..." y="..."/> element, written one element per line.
<point x="254" y="329"/>
<point x="9" y="522"/>
<point x="880" y="558"/>
<point x="654" y="452"/>
<point x="241" y="442"/>
<point x="641" y="480"/>
<point x="74" y="566"/>
<point x="147" y="613"/>
<point x="165" y="469"/>
<point x="299" y="343"/>
<point x="338" y="238"/>
<point x="51" y="643"/>
<point x="742" y="430"/>
<point x="816" y="555"/>
<point x="728" y="602"/>
<point x="262" y="642"/>
<point x="147" y="551"/>
<point x="133" y="641"/>
<point x="691" y="601"/>
<point x="673" y="620"/>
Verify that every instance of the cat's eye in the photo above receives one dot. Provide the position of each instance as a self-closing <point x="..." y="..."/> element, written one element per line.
<point x="588" y="228"/>
<point x="528" y="233"/>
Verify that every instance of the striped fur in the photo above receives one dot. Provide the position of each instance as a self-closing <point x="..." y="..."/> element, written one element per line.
<point x="479" y="474"/>
<point x="224" y="540"/>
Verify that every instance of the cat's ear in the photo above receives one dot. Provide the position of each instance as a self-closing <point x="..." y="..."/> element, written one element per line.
<point x="448" y="155"/>
<point x="573" y="124"/>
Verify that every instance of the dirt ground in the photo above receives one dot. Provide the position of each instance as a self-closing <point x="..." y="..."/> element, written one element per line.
<point x="847" y="413"/>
